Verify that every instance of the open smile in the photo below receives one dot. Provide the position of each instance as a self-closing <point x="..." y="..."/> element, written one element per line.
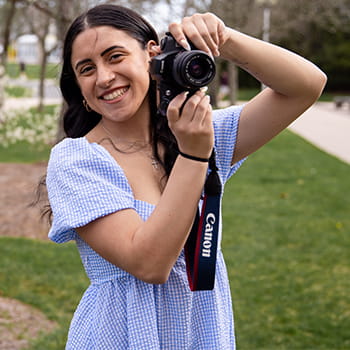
<point x="110" y="96"/>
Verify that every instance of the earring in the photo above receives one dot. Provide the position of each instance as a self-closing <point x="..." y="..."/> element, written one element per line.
<point x="87" y="107"/>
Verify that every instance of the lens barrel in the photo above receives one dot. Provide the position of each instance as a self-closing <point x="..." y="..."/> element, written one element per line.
<point x="193" y="69"/>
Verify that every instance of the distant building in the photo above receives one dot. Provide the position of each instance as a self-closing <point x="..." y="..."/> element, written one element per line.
<point x="28" y="51"/>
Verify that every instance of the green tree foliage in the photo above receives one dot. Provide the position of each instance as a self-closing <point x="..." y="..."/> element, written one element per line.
<point x="320" y="31"/>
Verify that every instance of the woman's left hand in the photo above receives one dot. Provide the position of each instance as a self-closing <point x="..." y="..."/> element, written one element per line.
<point x="206" y="31"/>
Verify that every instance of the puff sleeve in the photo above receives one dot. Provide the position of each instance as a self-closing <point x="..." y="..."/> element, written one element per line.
<point x="84" y="183"/>
<point x="226" y="122"/>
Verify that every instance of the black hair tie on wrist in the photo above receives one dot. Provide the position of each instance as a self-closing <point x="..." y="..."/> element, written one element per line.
<point x="198" y="159"/>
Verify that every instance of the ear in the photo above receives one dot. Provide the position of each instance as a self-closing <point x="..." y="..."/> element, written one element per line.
<point x="153" y="48"/>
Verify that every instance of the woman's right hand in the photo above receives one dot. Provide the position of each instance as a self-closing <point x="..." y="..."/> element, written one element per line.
<point x="191" y="123"/>
<point x="148" y="249"/>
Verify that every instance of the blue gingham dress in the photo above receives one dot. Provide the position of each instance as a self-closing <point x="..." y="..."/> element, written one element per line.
<point x="118" y="311"/>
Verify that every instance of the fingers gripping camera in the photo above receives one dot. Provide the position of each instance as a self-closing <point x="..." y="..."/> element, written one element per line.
<point x="177" y="70"/>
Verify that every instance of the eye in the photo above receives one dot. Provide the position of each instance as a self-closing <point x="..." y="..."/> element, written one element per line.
<point x="86" y="70"/>
<point x="115" y="57"/>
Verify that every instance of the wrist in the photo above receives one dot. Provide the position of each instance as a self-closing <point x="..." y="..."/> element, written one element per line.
<point x="192" y="157"/>
<point x="231" y="48"/>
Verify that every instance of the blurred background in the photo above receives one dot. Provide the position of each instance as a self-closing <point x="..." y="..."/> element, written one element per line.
<point x="32" y="33"/>
<point x="286" y="212"/>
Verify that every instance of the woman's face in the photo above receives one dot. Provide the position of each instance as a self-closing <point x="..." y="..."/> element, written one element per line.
<point x="111" y="69"/>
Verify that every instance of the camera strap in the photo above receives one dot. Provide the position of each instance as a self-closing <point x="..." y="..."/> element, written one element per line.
<point x="201" y="245"/>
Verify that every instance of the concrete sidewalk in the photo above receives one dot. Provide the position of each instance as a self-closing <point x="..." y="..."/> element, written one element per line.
<point x="28" y="102"/>
<point x="327" y="128"/>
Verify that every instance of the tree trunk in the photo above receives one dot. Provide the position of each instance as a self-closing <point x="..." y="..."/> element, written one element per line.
<point x="62" y="23"/>
<point x="3" y="60"/>
<point x="7" y="29"/>
<point x="232" y="82"/>
<point x="43" y="66"/>
<point x="213" y="90"/>
<point x="44" y="54"/>
<point x="2" y="91"/>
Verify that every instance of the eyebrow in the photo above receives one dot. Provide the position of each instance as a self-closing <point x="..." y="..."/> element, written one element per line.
<point x="81" y="63"/>
<point x="102" y="54"/>
<point x="110" y="49"/>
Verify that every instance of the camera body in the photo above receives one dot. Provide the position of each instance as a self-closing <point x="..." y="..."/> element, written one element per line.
<point x="177" y="70"/>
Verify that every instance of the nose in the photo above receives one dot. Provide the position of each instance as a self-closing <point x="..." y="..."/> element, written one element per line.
<point x="105" y="76"/>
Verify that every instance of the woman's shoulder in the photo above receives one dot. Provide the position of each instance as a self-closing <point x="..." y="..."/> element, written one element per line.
<point x="69" y="145"/>
<point x="72" y="149"/>
<point x="79" y="153"/>
<point x="79" y="162"/>
<point x="226" y="120"/>
<point x="234" y="111"/>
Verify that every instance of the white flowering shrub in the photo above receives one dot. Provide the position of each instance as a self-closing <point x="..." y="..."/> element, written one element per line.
<point x="30" y="126"/>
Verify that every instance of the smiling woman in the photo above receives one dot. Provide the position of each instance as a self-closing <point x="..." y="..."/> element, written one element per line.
<point x="113" y="79"/>
<point x="127" y="182"/>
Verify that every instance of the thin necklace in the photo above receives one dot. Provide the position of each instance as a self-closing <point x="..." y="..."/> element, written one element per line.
<point x="140" y="148"/>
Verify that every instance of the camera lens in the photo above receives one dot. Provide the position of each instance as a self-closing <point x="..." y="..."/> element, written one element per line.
<point x="196" y="68"/>
<point x="193" y="69"/>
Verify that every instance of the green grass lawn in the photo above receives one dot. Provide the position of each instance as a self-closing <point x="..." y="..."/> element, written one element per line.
<point x="24" y="152"/>
<point x="32" y="71"/>
<point x="45" y="275"/>
<point x="286" y="242"/>
<point x="17" y="91"/>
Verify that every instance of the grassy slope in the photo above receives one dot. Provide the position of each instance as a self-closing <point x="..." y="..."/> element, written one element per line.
<point x="286" y="239"/>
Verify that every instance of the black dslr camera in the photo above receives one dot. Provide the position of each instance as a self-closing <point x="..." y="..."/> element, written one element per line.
<point x="177" y="70"/>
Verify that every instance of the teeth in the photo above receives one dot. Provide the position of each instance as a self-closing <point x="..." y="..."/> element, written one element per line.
<point x="115" y="94"/>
